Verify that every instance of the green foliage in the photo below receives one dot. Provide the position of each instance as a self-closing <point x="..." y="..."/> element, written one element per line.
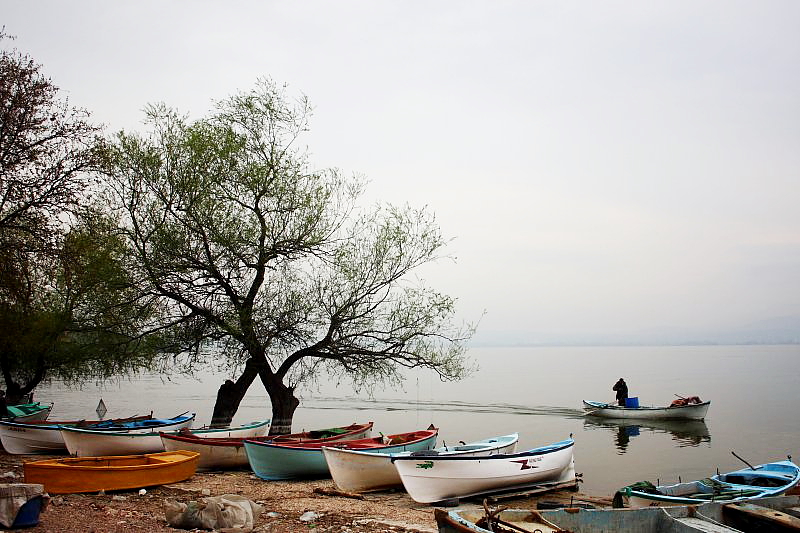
<point x="68" y="305"/>
<point x="248" y="246"/>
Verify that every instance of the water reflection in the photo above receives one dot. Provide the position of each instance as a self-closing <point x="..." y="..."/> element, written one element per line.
<point x="683" y="432"/>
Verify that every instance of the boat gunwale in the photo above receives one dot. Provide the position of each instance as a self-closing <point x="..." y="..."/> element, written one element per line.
<point x="210" y="441"/>
<point x="589" y="404"/>
<point x="342" y="444"/>
<point x="128" y="432"/>
<point x="57" y="424"/>
<point x="542" y="450"/>
<point x="686" y="499"/>
<point x="64" y="463"/>
<point x="486" y="446"/>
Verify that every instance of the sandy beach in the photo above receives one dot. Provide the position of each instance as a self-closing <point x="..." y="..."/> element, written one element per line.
<point x="284" y="503"/>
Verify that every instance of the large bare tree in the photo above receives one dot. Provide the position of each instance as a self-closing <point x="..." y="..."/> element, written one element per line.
<point x="274" y="261"/>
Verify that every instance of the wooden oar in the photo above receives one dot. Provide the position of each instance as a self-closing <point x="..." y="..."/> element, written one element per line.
<point x="742" y="460"/>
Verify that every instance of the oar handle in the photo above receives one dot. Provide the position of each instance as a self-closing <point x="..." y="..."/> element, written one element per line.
<point x="742" y="460"/>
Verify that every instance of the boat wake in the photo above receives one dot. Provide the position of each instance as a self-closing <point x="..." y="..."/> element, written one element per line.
<point x="397" y="404"/>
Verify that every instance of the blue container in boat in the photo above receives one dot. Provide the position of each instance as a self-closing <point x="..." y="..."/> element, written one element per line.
<point x="632" y="402"/>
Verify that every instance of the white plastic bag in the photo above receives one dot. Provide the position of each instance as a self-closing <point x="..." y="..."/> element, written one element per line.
<point x="228" y="513"/>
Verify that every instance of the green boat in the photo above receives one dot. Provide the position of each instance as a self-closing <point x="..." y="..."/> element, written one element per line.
<point x="28" y="412"/>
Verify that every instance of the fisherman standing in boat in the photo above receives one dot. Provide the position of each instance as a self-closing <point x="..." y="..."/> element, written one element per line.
<point x="622" y="391"/>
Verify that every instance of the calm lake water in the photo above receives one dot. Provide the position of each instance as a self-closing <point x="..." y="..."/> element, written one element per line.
<point x="537" y="391"/>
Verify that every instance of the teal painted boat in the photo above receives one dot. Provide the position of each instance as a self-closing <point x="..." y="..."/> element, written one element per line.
<point x="275" y="461"/>
<point x="28" y="412"/>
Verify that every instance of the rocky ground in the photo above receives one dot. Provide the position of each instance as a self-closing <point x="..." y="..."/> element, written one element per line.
<point x="284" y="504"/>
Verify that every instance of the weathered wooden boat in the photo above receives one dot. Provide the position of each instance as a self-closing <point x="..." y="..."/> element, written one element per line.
<point x="44" y="436"/>
<point x="28" y="412"/>
<point x="431" y="479"/>
<point x="277" y="461"/>
<point x="695" y="411"/>
<point x="776" y="514"/>
<point x="651" y="520"/>
<point x="368" y="470"/>
<point x="351" y="432"/>
<point x="251" y="430"/>
<point x="92" y="474"/>
<point x="97" y="442"/>
<point x="228" y="453"/>
<point x="214" y="453"/>
<point x="769" y="479"/>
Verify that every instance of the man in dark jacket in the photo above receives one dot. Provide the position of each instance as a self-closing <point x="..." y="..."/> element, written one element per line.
<point x="622" y="391"/>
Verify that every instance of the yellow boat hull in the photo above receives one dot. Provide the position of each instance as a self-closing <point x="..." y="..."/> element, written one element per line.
<point x="112" y="472"/>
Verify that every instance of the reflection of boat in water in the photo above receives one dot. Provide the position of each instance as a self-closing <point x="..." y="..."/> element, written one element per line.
<point x="684" y="432"/>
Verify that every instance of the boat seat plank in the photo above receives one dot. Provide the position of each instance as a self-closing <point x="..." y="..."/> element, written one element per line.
<point x="698" y="524"/>
<point x="794" y="511"/>
<point x="757" y="516"/>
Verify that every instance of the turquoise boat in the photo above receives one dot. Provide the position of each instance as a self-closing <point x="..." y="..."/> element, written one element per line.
<point x="275" y="461"/>
<point x="28" y="412"/>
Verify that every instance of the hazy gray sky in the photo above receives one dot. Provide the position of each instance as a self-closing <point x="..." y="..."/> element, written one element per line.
<point x="603" y="167"/>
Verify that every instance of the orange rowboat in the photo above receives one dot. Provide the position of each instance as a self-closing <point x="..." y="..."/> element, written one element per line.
<point x="112" y="472"/>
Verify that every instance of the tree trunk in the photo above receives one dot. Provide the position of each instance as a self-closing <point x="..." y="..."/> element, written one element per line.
<point x="283" y="402"/>
<point x="16" y="394"/>
<point x="230" y="395"/>
<point x="284" y="405"/>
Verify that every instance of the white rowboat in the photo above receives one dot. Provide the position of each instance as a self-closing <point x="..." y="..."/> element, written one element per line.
<point x="92" y="442"/>
<point x="89" y="443"/>
<point x="433" y="479"/>
<point x="364" y="470"/>
<point x="43" y="436"/>
<point x="218" y="451"/>
<point x="695" y="411"/>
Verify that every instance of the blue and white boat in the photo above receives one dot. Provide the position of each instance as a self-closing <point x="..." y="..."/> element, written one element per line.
<point x="122" y="441"/>
<point x="432" y="478"/>
<point x="44" y="436"/>
<point x="769" y="479"/>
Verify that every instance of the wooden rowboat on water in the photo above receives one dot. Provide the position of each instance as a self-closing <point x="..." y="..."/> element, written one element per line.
<point x="44" y="436"/>
<point x="228" y="453"/>
<point x="431" y="479"/>
<point x="279" y="461"/>
<point x="92" y="474"/>
<point x="770" y="479"/>
<point x="696" y="411"/>
<point x="368" y="470"/>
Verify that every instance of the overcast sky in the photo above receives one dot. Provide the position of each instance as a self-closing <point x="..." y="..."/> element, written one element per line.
<point x="603" y="168"/>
